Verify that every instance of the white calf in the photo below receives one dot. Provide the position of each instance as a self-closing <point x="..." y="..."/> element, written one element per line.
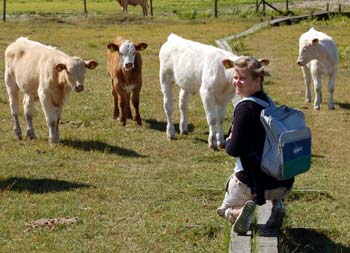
<point x="318" y="55"/>
<point x="196" y="67"/>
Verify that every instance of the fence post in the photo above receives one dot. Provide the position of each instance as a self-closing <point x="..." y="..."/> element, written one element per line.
<point x="151" y="7"/>
<point x="4" y="12"/>
<point x="339" y="8"/>
<point x="216" y="8"/>
<point x="85" y="9"/>
<point x="327" y="7"/>
<point x="264" y="8"/>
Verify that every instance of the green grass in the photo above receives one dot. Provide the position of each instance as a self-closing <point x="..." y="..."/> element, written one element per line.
<point x="132" y="189"/>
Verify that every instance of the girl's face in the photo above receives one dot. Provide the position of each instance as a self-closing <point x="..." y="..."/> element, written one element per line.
<point x="244" y="84"/>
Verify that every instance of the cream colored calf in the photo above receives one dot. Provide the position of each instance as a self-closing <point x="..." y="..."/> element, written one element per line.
<point x="43" y="72"/>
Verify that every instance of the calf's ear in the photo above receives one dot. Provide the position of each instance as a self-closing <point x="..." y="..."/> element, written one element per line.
<point x="264" y="61"/>
<point x="59" y="67"/>
<point x="91" y="64"/>
<point x="141" y="46"/>
<point x="228" y="63"/>
<point x="315" y="41"/>
<point x="112" y="47"/>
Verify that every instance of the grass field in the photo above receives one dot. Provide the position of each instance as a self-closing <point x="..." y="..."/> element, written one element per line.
<point x="161" y="8"/>
<point x="97" y="7"/>
<point x="131" y="188"/>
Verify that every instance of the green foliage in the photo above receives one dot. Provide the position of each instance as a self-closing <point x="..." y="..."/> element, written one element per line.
<point x="238" y="46"/>
<point x="344" y="53"/>
<point x="187" y="15"/>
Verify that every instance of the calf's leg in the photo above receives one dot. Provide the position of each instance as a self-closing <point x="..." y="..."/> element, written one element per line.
<point x="13" y="93"/>
<point x="331" y="84"/>
<point x="115" y="99"/>
<point x="128" y="108"/>
<point x="221" y="142"/>
<point x="125" y="7"/>
<point x="28" y="105"/>
<point x="316" y="76"/>
<point x="167" y="85"/>
<point x="136" y="103"/>
<point x="144" y="9"/>
<point x="307" y="81"/>
<point x="123" y="105"/>
<point x="211" y="115"/>
<point x="52" y="116"/>
<point x="183" y="103"/>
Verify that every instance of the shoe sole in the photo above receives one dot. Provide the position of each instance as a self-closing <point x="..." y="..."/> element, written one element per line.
<point x="243" y="220"/>
<point x="221" y="212"/>
<point x="277" y="221"/>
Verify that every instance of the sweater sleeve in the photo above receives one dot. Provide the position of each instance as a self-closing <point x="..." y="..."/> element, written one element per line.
<point x="236" y="145"/>
<point x="243" y="144"/>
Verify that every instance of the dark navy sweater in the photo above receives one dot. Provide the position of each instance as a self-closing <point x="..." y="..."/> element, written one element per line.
<point x="247" y="142"/>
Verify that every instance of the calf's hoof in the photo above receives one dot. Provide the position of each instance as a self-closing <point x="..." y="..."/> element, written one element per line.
<point x="18" y="135"/>
<point x="331" y="107"/>
<point x="171" y="137"/>
<point x="221" y="146"/>
<point x="31" y="134"/>
<point x="213" y="147"/>
<point x="138" y="121"/>
<point x="53" y="142"/>
<point x="317" y="108"/>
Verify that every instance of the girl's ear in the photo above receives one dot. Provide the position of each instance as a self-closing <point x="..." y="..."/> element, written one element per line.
<point x="264" y="61"/>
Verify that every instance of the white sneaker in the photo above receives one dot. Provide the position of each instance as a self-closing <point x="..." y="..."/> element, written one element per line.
<point x="277" y="215"/>
<point x="245" y="218"/>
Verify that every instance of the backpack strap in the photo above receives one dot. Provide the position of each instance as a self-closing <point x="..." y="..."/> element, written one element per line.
<point x="258" y="101"/>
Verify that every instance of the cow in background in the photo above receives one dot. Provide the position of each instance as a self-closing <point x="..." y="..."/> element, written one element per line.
<point x="143" y="3"/>
<point x="124" y="66"/>
<point x="196" y="67"/>
<point x="318" y="56"/>
<point x="42" y="72"/>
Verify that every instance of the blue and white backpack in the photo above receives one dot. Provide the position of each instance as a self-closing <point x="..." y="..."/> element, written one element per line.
<point x="287" y="148"/>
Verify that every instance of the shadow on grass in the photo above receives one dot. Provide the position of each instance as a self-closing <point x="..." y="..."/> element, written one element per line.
<point x="309" y="195"/>
<point x="308" y="241"/>
<point x="99" y="146"/>
<point x="161" y="125"/>
<point x="343" y="105"/>
<point x="43" y="185"/>
<point x="317" y="156"/>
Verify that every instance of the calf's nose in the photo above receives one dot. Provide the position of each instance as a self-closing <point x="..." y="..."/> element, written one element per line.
<point x="128" y="65"/>
<point x="79" y="88"/>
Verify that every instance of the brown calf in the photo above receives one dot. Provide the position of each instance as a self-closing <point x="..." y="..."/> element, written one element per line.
<point x="124" y="66"/>
<point x="124" y="4"/>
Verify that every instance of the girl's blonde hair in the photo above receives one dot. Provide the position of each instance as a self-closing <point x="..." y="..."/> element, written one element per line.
<point x="255" y="67"/>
